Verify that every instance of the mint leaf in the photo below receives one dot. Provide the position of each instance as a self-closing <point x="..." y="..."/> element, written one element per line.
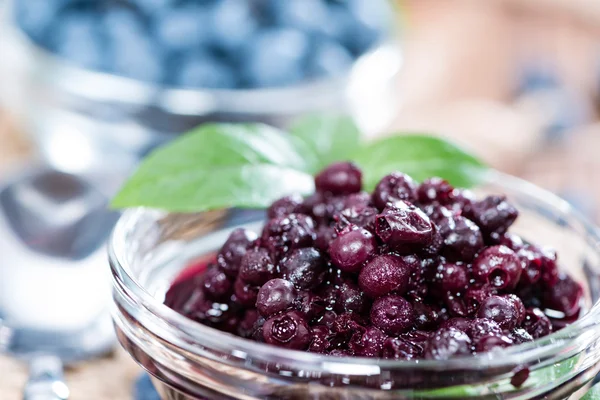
<point x="419" y="156"/>
<point x="330" y="137"/>
<point x="219" y="166"/>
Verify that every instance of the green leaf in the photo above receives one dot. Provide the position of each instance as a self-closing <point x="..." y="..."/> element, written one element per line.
<point x="593" y="393"/>
<point x="330" y="137"/>
<point x="419" y="156"/>
<point x="219" y="166"/>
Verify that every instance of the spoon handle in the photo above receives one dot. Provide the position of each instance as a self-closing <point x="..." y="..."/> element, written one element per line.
<point x="45" y="380"/>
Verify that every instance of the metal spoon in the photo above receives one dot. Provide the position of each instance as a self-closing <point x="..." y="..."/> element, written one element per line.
<point x="54" y="284"/>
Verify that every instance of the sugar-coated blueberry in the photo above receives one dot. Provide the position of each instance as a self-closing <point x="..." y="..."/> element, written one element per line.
<point x="351" y="249"/>
<point x="275" y="296"/>
<point x="289" y="330"/>
<point x="384" y="274"/>
<point x="392" y="314"/>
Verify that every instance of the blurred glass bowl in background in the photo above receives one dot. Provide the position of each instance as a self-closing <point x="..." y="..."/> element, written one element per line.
<point x="102" y="84"/>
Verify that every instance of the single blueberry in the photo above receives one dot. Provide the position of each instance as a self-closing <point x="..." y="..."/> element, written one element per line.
<point x="275" y="57"/>
<point x="184" y="28"/>
<point x="289" y="330"/>
<point x="230" y="255"/>
<point x="232" y="22"/>
<point x="77" y="36"/>
<point x="307" y="15"/>
<point x="394" y="187"/>
<point x="371" y="21"/>
<point x="341" y="178"/>
<point x="329" y="59"/>
<point x="131" y="52"/>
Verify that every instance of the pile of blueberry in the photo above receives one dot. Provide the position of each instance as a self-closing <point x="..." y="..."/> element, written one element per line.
<point x="409" y="271"/>
<point x="208" y="43"/>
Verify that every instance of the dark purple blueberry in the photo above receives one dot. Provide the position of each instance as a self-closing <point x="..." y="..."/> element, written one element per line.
<point x="475" y="297"/>
<point x="455" y="305"/>
<point x="520" y="375"/>
<point x="550" y="271"/>
<point x="447" y="343"/>
<point x="502" y="309"/>
<point x="491" y="342"/>
<point x="392" y="314"/>
<point x="350" y="299"/>
<point x="185" y="295"/>
<point x="564" y="296"/>
<point x="339" y="179"/>
<point x="400" y="349"/>
<point x="427" y="317"/>
<point x="319" y="340"/>
<point x="368" y="343"/>
<point x="361" y="216"/>
<point x="519" y="307"/>
<point x="462" y="324"/>
<point x="317" y="208"/>
<point x="357" y="201"/>
<point x="256" y="267"/>
<point x="520" y="335"/>
<point x="463" y="241"/>
<point x="435" y="189"/>
<point x="531" y="261"/>
<point x="310" y="305"/>
<point x="436" y="243"/>
<point x="285" y="206"/>
<point x="452" y="278"/>
<point x="404" y="225"/>
<point x="289" y="330"/>
<point x="233" y="250"/>
<point x="351" y="249"/>
<point x="305" y="268"/>
<point x="536" y="323"/>
<point x="494" y="215"/>
<point x="247" y="323"/>
<point x="498" y="266"/>
<point x="275" y="296"/>
<point x="394" y="187"/>
<point x="384" y="274"/>
<point x="283" y="234"/>
<point x="245" y="293"/>
<point x="216" y="284"/>
<point x="480" y="327"/>
<point x="328" y="319"/>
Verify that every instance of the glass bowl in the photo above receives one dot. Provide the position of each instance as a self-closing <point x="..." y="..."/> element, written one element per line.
<point x="82" y="118"/>
<point x="187" y="360"/>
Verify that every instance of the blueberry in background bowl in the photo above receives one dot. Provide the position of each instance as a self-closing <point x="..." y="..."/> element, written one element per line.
<point x="266" y="43"/>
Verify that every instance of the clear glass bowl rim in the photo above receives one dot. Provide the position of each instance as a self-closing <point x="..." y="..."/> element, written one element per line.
<point x="177" y="324"/>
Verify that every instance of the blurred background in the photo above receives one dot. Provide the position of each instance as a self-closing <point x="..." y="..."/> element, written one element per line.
<point x="90" y="86"/>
